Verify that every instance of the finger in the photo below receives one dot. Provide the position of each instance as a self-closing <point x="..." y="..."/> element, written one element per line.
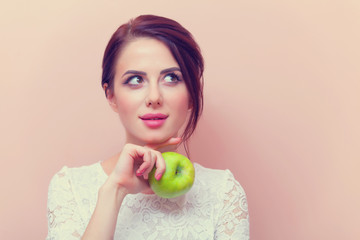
<point x="147" y="162"/>
<point x="160" y="166"/>
<point x="150" y="167"/>
<point x="170" y="141"/>
<point x="128" y="159"/>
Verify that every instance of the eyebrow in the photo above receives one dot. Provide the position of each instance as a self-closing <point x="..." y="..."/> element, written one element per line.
<point x="167" y="70"/>
<point x="170" y="70"/>
<point x="134" y="72"/>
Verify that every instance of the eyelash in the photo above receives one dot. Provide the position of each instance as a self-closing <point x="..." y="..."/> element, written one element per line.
<point x="174" y="75"/>
<point x="132" y="77"/>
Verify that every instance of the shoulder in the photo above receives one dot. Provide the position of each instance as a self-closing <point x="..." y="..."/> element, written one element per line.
<point x="228" y="200"/>
<point x="77" y="185"/>
<point x="216" y="181"/>
<point x="217" y="177"/>
<point x="76" y="175"/>
<point x="76" y="171"/>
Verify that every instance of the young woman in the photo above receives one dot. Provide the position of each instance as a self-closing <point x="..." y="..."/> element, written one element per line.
<point x="152" y="78"/>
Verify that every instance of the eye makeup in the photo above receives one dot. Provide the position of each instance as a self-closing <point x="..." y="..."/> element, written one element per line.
<point x="134" y="80"/>
<point x="168" y="76"/>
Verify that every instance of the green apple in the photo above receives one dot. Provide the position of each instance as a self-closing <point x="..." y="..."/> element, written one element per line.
<point x="177" y="179"/>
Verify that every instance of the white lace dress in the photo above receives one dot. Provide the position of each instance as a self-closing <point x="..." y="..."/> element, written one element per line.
<point x="214" y="208"/>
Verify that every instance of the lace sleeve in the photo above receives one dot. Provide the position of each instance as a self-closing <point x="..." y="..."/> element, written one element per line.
<point x="234" y="218"/>
<point x="64" y="221"/>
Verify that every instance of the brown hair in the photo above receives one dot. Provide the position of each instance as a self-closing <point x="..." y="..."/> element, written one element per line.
<point x="182" y="46"/>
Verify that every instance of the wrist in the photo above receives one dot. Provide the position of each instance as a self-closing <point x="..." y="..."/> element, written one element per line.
<point x="103" y="220"/>
<point x="112" y="188"/>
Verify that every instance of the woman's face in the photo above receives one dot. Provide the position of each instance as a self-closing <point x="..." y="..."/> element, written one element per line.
<point x="149" y="93"/>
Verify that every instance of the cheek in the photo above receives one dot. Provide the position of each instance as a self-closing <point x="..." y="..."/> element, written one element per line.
<point x="180" y="102"/>
<point x="127" y="105"/>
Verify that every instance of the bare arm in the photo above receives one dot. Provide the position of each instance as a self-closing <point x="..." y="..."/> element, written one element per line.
<point x="103" y="221"/>
<point x="129" y="176"/>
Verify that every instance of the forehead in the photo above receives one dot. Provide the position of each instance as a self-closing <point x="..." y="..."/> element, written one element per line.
<point x="145" y="54"/>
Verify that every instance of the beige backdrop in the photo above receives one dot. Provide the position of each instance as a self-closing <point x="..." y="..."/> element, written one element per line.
<point x="282" y="105"/>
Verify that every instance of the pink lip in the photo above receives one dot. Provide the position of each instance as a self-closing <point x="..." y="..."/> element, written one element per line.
<point x="154" y="120"/>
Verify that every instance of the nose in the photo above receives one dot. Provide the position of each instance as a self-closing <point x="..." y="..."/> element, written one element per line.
<point x="154" y="98"/>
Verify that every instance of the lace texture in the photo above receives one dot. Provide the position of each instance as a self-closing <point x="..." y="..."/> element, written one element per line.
<point x="214" y="208"/>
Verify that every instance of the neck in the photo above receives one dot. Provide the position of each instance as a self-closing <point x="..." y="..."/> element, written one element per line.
<point x="170" y="148"/>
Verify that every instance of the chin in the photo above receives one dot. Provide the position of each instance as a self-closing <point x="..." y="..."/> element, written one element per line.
<point x="157" y="138"/>
<point x="150" y="137"/>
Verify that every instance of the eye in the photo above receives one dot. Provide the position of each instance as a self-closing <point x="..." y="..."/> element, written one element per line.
<point x="172" y="78"/>
<point x="134" y="81"/>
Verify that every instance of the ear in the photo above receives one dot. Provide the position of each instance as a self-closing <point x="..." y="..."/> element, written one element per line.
<point x="110" y="97"/>
<point x="190" y="105"/>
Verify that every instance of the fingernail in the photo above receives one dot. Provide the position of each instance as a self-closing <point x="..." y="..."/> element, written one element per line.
<point x="139" y="173"/>
<point x="158" y="176"/>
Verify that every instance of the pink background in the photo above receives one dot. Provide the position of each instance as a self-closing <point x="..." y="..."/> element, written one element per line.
<point x="282" y="105"/>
